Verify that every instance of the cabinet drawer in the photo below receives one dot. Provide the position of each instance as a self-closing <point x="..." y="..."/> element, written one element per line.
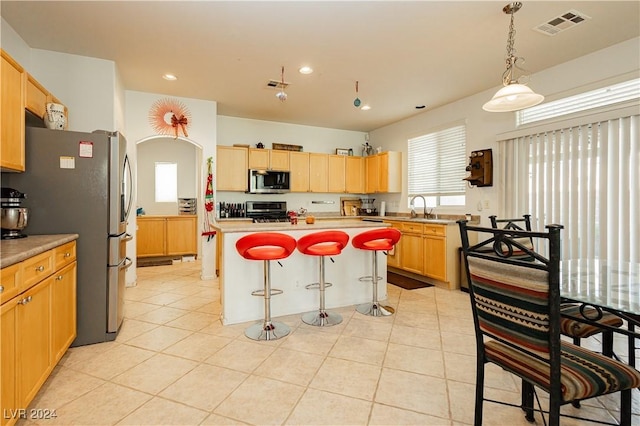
<point x="435" y="230"/>
<point x="10" y="279"/>
<point x="64" y="254"/>
<point x="412" y="227"/>
<point x="36" y="268"/>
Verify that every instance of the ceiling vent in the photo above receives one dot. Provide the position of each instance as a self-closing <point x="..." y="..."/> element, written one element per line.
<point x="277" y="84"/>
<point x="562" y="22"/>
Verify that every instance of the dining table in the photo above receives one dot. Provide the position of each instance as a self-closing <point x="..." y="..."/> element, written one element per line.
<point x="606" y="286"/>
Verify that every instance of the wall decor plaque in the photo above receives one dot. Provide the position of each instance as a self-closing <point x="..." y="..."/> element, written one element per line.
<point x="286" y="147"/>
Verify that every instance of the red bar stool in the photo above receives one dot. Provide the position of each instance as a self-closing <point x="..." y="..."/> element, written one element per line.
<point x="266" y="246"/>
<point x="375" y="240"/>
<point x="321" y="244"/>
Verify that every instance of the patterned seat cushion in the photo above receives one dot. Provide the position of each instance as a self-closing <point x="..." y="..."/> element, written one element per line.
<point x="573" y="328"/>
<point x="584" y="373"/>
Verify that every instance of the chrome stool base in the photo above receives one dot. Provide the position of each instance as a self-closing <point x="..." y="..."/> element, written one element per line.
<point x="267" y="331"/>
<point x="322" y="318"/>
<point x="375" y="309"/>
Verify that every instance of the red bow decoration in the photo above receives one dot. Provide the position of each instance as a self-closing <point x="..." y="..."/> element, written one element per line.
<point x="182" y="122"/>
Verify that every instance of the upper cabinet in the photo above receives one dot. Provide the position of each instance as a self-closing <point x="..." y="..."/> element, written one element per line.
<point x="299" y="171"/>
<point x="383" y="172"/>
<point x="231" y="170"/>
<point x="354" y="175"/>
<point x="36" y="97"/>
<point x="318" y="172"/>
<point x="268" y="159"/>
<point x="12" y="101"/>
<point x="336" y="177"/>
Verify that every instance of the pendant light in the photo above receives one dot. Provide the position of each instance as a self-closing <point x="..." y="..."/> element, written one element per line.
<point x="356" y="101"/>
<point x="515" y="95"/>
<point x="282" y="95"/>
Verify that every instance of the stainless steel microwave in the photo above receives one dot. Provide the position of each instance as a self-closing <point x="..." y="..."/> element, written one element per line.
<point x="268" y="182"/>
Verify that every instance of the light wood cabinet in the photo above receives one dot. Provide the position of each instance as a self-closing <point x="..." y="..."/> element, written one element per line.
<point x="336" y="166"/>
<point x="383" y="172"/>
<point x="299" y="171"/>
<point x="412" y="247"/>
<point x="435" y="252"/>
<point x="394" y="255"/>
<point x="37" y="97"/>
<point x="12" y="101"/>
<point x="10" y="282"/>
<point x="354" y="175"/>
<point x="232" y="168"/>
<point x="318" y="172"/>
<point x="37" y="326"/>
<point x="166" y="235"/>
<point x="268" y="159"/>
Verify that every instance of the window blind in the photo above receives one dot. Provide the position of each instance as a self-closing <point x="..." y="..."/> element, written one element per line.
<point x="586" y="178"/>
<point x="436" y="163"/>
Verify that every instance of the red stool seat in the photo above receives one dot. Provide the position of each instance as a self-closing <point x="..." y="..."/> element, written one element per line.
<point x="376" y="240"/>
<point x="266" y="246"/>
<point x="321" y="244"/>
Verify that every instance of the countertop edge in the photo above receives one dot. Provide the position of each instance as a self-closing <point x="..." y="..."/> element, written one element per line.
<point x="15" y="251"/>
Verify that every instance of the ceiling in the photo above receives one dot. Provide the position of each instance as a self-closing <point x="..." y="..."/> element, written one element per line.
<point x="402" y="53"/>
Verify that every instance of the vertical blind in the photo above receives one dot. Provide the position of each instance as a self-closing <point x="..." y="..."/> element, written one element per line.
<point x="436" y="163"/>
<point x="586" y="178"/>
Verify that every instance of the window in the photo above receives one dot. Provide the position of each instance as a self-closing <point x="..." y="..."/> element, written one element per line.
<point x="617" y="93"/>
<point x="436" y="167"/>
<point x="166" y="182"/>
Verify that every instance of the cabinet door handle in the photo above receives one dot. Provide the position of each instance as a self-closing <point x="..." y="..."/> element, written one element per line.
<point x="59" y="278"/>
<point x="40" y="268"/>
<point x="1" y="288"/>
<point x="67" y="254"/>
<point x="24" y="301"/>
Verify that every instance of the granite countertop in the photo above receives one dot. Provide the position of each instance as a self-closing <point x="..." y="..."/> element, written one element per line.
<point x="235" y="226"/>
<point x="14" y="251"/>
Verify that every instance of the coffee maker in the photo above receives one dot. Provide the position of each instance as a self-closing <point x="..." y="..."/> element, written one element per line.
<point x="14" y="216"/>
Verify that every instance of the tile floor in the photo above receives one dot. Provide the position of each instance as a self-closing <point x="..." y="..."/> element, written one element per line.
<point x="173" y="363"/>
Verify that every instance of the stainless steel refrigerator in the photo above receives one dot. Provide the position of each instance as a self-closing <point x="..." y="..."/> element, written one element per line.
<point x="81" y="183"/>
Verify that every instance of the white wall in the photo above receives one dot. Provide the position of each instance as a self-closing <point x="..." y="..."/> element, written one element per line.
<point x="616" y="63"/>
<point x="165" y="150"/>
<point x="233" y="130"/>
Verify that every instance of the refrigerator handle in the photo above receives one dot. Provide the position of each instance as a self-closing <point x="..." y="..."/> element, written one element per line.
<point x="127" y="237"/>
<point x="127" y="262"/>
<point x="127" y="167"/>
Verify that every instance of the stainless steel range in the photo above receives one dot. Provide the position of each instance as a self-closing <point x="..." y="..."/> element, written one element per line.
<point x="267" y="211"/>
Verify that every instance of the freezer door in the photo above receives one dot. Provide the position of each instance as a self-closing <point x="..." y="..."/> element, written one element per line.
<point x="115" y="305"/>
<point x="118" y="248"/>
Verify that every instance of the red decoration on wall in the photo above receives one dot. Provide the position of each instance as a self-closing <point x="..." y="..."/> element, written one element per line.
<point x="169" y="117"/>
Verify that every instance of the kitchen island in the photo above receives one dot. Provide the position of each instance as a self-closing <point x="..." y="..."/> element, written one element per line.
<point x="239" y="277"/>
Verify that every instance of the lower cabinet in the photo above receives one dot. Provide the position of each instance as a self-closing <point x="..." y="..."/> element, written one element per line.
<point x="412" y="248"/>
<point x="166" y="235"/>
<point x="36" y="328"/>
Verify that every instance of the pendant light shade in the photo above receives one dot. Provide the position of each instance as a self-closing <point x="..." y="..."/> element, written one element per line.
<point x="514" y="95"/>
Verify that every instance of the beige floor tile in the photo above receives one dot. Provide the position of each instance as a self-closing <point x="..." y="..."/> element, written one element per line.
<point x="369" y="327"/>
<point x="186" y="290"/>
<point x="347" y="378"/>
<point x="81" y="354"/>
<point x="193" y="321"/>
<point x="198" y="346"/>
<point x="205" y="387"/>
<point x="270" y="401"/>
<point x="214" y="308"/>
<point x="132" y="309"/>
<point x="105" y="405"/>
<point x="164" y="298"/>
<point x="162" y="315"/>
<point x="190" y="303"/>
<point x="324" y="408"/>
<point x="138" y="293"/>
<point x="159" y="338"/>
<point x="131" y="328"/>
<point x="159" y="411"/>
<point x="109" y="364"/>
<point x="458" y="343"/>
<point x="310" y="340"/>
<point x="62" y="386"/>
<point x="359" y="350"/>
<point x="426" y="319"/>
<point x="155" y="374"/>
<point x="215" y="419"/>
<point x="230" y="331"/>
<point x="415" y="392"/>
<point x="413" y="336"/>
<point x="383" y="415"/>
<point x="241" y="355"/>
<point x="290" y="366"/>
<point x="415" y="360"/>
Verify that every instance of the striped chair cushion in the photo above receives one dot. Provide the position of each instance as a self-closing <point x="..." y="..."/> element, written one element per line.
<point x="512" y="303"/>
<point x="584" y="373"/>
<point x="573" y="328"/>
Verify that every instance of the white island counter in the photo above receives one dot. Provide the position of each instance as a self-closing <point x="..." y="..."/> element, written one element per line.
<point x="239" y="277"/>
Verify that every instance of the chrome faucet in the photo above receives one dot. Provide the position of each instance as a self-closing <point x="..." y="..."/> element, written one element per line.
<point x="424" y="203"/>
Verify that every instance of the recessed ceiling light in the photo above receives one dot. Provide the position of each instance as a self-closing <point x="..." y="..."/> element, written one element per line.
<point x="305" y="70"/>
<point x="365" y="107"/>
<point x="170" y="77"/>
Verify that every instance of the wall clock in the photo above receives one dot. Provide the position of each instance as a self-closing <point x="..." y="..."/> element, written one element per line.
<point x="169" y="117"/>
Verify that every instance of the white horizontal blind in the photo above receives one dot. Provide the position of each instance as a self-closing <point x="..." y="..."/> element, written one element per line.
<point x="617" y="93"/>
<point x="586" y="178"/>
<point x="436" y="163"/>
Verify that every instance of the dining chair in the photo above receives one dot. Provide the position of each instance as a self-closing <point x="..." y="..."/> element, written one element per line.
<point x="570" y="325"/>
<point x="516" y="312"/>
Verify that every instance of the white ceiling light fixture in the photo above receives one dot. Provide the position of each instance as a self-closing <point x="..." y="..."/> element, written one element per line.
<point x="365" y="107"/>
<point x="282" y="95"/>
<point x="170" y="77"/>
<point x="515" y="95"/>
<point x="305" y="70"/>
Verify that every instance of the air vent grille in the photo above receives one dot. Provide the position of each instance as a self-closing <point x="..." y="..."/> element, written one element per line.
<point x="562" y="22"/>
<point x="277" y="84"/>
